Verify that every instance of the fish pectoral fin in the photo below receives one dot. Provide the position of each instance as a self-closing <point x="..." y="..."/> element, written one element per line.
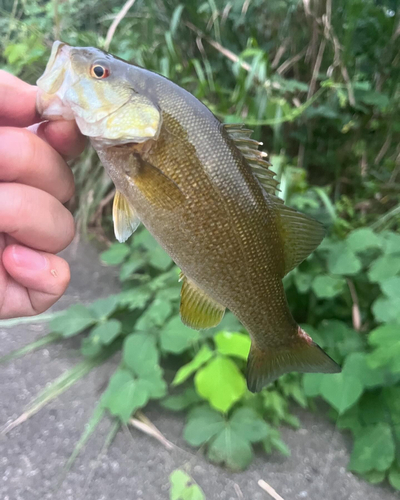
<point x="125" y="219"/>
<point x="300" y="235"/>
<point x="157" y="188"/>
<point x="197" y="309"/>
<point x="304" y="356"/>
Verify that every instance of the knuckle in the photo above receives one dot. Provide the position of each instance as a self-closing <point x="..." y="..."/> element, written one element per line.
<point x="69" y="228"/>
<point x="69" y="189"/>
<point x="12" y="208"/>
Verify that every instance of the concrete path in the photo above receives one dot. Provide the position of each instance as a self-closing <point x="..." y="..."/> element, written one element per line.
<point x="136" y="467"/>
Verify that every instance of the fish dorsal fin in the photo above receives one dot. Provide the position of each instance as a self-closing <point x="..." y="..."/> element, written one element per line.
<point x="255" y="158"/>
<point x="300" y="235"/>
<point x="197" y="309"/>
<point x="125" y="219"/>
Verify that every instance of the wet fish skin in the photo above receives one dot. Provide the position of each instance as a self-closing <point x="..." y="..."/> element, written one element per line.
<point x="205" y="193"/>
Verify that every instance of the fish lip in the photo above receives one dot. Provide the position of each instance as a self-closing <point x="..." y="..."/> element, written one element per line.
<point x="60" y="57"/>
<point x="54" y="82"/>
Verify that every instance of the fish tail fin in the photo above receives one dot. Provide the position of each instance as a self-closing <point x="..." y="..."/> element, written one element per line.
<point x="304" y="355"/>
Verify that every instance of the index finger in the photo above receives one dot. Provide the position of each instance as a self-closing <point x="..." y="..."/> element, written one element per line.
<point x="17" y="102"/>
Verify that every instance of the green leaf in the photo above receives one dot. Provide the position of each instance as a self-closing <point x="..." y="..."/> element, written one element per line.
<point x="154" y="383"/>
<point x="103" y="308"/>
<point x="374" y="476"/>
<point x="221" y="383"/>
<point x="327" y="287"/>
<point x="356" y="366"/>
<point x="159" y="258"/>
<point x="91" y="346"/>
<point x="248" y="424"/>
<point x="303" y="281"/>
<point x="363" y="239"/>
<point x="175" y="19"/>
<point x="394" y="478"/>
<point x="202" y="425"/>
<point x="155" y="315"/>
<point x="233" y="344"/>
<point x="182" y="487"/>
<point x="75" y="319"/>
<point x="140" y="353"/>
<point x="230" y="448"/>
<point x="373" y="449"/>
<point x="135" y="298"/>
<point x="342" y="260"/>
<point x="107" y="332"/>
<point x="178" y="402"/>
<point x="124" y="395"/>
<point x="199" y="359"/>
<point x="386" y="342"/>
<point x="387" y="310"/>
<point x="115" y="254"/>
<point x="391" y="242"/>
<point x="339" y="339"/>
<point x="391" y="286"/>
<point x="134" y="263"/>
<point x="176" y="337"/>
<point x="341" y="390"/>
<point x="312" y="384"/>
<point x="274" y="441"/>
<point x="383" y="268"/>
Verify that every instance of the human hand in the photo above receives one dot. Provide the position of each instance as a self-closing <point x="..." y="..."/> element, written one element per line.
<point x="35" y="181"/>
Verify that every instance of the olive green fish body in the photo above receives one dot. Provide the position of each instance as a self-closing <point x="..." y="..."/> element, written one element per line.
<point x="224" y="237"/>
<point x="205" y="193"/>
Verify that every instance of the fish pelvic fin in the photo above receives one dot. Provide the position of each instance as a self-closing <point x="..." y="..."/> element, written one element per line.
<point x="303" y="355"/>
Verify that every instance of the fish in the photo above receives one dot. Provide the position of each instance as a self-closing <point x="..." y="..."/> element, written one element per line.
<point x="203" y="189"/>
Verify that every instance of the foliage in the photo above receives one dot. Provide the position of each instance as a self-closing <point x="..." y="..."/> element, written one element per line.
<point x="183" y="488"/>
<point x="320" y="88"/>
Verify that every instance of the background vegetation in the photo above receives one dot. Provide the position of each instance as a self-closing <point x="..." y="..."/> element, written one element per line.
<point x="319" y="83"/>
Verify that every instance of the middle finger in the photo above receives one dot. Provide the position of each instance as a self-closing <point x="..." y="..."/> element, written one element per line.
<point x="27" y="159"/>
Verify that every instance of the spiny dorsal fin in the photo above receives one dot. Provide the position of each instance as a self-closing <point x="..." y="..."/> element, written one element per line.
<point x="300" y="235"/>
<point x="255" y="158"/>
<point x="125" y="219"/>
<point x="197" y="309"/>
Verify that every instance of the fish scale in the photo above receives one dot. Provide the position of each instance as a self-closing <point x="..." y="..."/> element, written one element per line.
<point x="205" y="193"/>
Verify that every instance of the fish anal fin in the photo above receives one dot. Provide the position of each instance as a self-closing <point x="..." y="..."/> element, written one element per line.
<point x="157" y="187"/>
<point x="197" y="309"/>
<point x="125" y="219"/>
<point x="256" y="159"/>
<point x="304" y="356"/>
<point x="300" y="235"/>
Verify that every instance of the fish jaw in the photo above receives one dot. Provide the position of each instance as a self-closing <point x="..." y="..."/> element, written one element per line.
<point x="109" y="112"/>
<point x="54" y="83"/>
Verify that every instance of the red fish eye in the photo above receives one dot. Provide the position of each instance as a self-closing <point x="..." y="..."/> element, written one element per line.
<point x="98" y="71"/>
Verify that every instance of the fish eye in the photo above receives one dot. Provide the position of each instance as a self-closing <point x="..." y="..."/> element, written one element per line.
<point x="98" y="71"/>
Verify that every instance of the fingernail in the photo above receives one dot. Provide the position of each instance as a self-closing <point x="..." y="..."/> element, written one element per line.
<point x="29" y="259"/>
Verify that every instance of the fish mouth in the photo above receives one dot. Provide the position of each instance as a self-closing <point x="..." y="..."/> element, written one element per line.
<point x="53" y="84"/>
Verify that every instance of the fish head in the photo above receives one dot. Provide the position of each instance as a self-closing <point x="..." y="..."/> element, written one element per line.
<point x="96" y="89"/>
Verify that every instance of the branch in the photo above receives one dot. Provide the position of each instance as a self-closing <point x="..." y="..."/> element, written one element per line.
<point x="114" y="25"/>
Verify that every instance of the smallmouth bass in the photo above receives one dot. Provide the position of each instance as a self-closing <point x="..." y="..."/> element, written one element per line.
<point x="205" y="192"/>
